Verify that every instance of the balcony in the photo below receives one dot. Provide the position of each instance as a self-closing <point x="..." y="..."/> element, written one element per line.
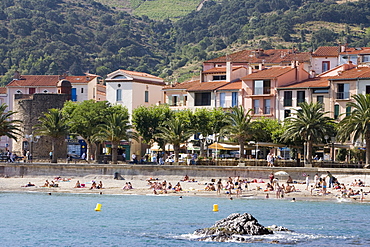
<point x="343" y="95"/>
<point x="263" y="111"/>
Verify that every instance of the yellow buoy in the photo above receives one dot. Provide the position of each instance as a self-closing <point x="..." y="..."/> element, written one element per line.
<point x="98" y="207"/>
<point x="215" y="208"/>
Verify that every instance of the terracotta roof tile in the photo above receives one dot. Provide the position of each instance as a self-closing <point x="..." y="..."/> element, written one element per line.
<point x="2" y="90"/>
<point x="360" y="72"/>
<point x="268" y="73"/>
<point x="207" y="86"/>
<point x="141" y="74"/>
<point x="236" y="85"/>
<point x="35" y="80"/>
<point x="46" y="80"/>
<point x="80" y="79"/>
<point x="309" y="83"/>
<point x="183" y="85"/>
<point x="326" y="51"/>
<point x="274" y="56"/>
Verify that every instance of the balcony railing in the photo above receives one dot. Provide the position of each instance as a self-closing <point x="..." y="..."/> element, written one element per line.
<point x="343" y="95"/>
<point x="262" y="111"/>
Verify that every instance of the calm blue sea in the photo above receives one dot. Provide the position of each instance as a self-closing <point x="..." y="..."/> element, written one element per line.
<point x="37" y="219"/>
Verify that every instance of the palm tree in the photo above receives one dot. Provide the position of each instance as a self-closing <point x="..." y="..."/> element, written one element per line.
<point x="309" y="124"/>
<point x="53" y="124"/>
<point x="175" y="132"/>
<point x="357" y="124"/>
<point x="239" y="126"/>
<point x="9" y="127"/>
<point x="116" y="128"/>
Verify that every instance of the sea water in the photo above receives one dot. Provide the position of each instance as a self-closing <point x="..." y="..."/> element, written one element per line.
<point x="39" y="219"/>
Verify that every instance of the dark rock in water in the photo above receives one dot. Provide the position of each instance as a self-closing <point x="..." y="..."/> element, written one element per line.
<point x="232" y="227"/>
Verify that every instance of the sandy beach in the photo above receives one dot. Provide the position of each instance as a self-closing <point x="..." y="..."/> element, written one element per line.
<point x="141" y="186"/>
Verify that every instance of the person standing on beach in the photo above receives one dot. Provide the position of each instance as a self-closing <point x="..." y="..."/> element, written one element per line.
<point x="219" y="186"/>
<point x="316" y="180"/>
<point x="323" y="185"/>
<point x="330" y="178"/>
<point x="307" y="181"/>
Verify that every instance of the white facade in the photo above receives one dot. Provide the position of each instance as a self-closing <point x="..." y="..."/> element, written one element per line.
<point x="133" y="89"/>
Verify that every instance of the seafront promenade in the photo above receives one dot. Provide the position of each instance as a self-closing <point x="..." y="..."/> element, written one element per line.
<point x="84" y="169"/>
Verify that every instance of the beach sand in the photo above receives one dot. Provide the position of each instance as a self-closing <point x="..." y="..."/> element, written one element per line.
<point x="142" y="187"/>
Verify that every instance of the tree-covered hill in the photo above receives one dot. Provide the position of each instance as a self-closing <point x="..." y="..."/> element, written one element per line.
<point x="54" y="36"/>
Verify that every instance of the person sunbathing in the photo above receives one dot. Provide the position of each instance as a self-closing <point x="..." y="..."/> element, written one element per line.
<point x="78" y="185"/>
<point x="29" y="185"/>
<point x="46" y="184"/>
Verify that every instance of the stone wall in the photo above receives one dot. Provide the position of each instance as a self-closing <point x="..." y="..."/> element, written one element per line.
<point x="156" y="171"/>
<point x="29" y="108"/>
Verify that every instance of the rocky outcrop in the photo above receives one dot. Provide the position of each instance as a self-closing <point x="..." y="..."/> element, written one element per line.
<point x="231" y="228"/>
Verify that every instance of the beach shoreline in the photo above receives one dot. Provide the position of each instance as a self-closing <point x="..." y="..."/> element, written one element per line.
<point x="141" y="186"/>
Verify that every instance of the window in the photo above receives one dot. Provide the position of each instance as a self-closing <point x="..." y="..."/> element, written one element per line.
<point x="267" y="106"/>
<point x="288" y="98"/>
<point x="343" y="91"/>
<point x="348" y="110"/>
<point x="286" y="113"/>
<point x="222" y="99"/>
<point x="262" y="87"/>
<point x="219" y="78"/>
<point x="256" y="106"/>
<point x="32" y="90"/>
<point x="119" y="95"/>
<point x="174" y="100"/>
<point x="185" y="100"/>
<point x="74" y="94"/>
<point x="146" y="96"/>
<point x="234" y="99"/>
<point x="325" y="66"/>
<point x="367" y="89"/>
<point x="300" y="97"/>
<point x="320" y="100"/>
<point x="366" y="58"/>
<point x="202" y="99"/>
<point x="336" y="111"/>
<point x="82" y="90"/>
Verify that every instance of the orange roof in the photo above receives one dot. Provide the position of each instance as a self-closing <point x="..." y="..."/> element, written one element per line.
<point x="220" y="70"/>
<point x="207" y="86"/>
<point x="268" y="73"/>
<point x="236" y="85"/>
<point x="183" y="85"/>
<point x="80" y="79"/>
<point x="359" y="72"/>
<point x="326" y="51"/>
<point x="142" y="74"/>
<point x="2" y="90"/>
<point x="355" y="50"/>
<point x="35" y="80"/>
<point x="46" y="80"/>
<point x="274" y="56"/>
<point x="309" y="83"/>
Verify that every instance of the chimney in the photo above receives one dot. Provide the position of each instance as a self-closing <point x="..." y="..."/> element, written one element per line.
<point x="17" y="75"/>
<point x="262" y="66"/>
<point x="229" y="69"/>
<point x="312" y="74"/>
<point x="343" y="48"/>
<point x="250" y="70"/>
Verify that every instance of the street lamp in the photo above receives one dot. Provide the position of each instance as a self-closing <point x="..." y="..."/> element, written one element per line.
<point x="32" y="139"/>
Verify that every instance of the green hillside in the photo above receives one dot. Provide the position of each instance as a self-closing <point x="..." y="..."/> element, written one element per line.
<point x="54" y="36"/>
<point x="155" y="9"/>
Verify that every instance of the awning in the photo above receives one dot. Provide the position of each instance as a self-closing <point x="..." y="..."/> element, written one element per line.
<point x="223" y="146"/>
